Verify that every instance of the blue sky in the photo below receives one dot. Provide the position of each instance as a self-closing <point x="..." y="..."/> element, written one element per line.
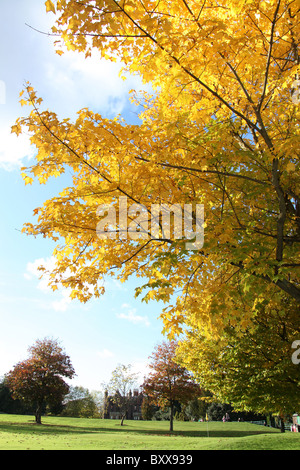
<point x="99" y="335"/>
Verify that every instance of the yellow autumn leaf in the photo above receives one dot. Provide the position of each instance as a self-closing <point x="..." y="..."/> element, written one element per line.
<point x="16" y="129"/>
<point x="290" y="167"/>
<point x="50" y="6"/>
<point x="27" y="179"/>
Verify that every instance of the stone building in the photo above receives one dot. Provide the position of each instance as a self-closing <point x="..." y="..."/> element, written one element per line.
<point x="134" y="402"/>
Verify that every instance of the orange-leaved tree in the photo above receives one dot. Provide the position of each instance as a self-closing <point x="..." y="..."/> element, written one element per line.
<point x="168" y="382"/>
<point x="39" y="380"/>
<point x="220" y="131"/>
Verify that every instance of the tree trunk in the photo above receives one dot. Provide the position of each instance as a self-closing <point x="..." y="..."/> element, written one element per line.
<point x="281" y="416"/>
<point x="122" y="419"/>
<point x="171" y="416"/>
<point x="38" y="414"/>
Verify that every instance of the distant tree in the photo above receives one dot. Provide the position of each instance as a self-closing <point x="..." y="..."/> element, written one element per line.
<point x="39" y="379"/>
<point x="216" y="411"/>
<point x="119" y="388"/>
<point x="8" y="404"/>
<point x="169" y="382"/>
<point x="80" y="403"/>
<point x="195" y="409"/>
<point x="99" y="400"/>
<point x="148" y="409"/>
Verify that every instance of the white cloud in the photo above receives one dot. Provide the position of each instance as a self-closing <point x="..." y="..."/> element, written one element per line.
<point x="66" y="83"/>
<point x="141" y="368"/>
<point x="32" y="271"/>
<point x="62" y="304"/>
<point x="93" y="82"/>
<point x="105" y="354"/>
<point x="132" y="317"/>
<point x="13" y="149"/>
<point x="125" y="305"/>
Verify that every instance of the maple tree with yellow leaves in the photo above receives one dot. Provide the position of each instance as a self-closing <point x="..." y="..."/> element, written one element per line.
<point x="251" y="369"/>
<point x="221" y="129"/>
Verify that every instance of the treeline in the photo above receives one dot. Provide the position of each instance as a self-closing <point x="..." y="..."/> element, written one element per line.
<point x="82" y="403"/>
<point x="11" y="405"/>
<point x="197" y="410"/>
<point x="79" y="403"/>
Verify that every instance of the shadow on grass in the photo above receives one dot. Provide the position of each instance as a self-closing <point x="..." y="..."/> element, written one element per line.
<point x="55" y="429"/>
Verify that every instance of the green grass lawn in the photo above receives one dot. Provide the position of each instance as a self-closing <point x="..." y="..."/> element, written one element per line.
<point x="21" y="433"/>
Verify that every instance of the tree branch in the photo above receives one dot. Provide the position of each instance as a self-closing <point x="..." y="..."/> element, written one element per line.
<point x="197" y="170"/>
<point x="269" y="56"/>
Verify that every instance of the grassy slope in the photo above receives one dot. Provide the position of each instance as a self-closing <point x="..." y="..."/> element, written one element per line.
<point x="20" y="432"/>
